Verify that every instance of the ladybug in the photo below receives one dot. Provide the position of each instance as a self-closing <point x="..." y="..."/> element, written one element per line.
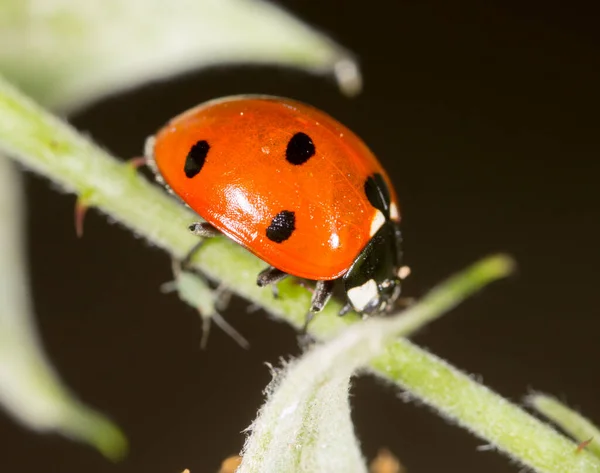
<point x="293" y="186"/>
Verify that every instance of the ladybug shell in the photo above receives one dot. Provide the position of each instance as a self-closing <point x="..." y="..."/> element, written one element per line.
<point x="279" y="177"/>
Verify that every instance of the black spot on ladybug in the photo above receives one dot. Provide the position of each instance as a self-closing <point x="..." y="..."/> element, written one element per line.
<point x="196" y="158"/>
<point x="299" y="149"/>
<point x="282" y="226"/>
<point x="378" y="193"/>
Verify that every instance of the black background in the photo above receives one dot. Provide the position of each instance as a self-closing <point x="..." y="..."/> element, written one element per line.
<point x="485" y="115"/>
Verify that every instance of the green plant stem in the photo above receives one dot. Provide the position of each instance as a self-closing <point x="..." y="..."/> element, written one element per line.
<point x="56" y="150"/>
<point x="460" y="398"/>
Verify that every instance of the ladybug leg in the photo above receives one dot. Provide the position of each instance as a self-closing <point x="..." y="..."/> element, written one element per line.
<point x="187" y="259"/>
<point x="271" y="276"/>
<point x="322" y="294"/>
<point x="204" y="230"/>
<point x="201" y="229"/>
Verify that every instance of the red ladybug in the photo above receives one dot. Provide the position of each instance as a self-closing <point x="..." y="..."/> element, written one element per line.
<point x="292" y="185"/>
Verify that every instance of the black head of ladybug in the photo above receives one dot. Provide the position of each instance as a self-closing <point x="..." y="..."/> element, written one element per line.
<point x="372" y="283"/>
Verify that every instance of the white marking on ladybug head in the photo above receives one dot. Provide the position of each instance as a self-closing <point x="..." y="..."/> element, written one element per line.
<point x="377" y="223"/>
<point x="394" y="212"/>
<point x="361" y="296"/>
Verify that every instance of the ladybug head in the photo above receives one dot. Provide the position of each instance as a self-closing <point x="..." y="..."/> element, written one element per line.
<point x="372" y="283"/>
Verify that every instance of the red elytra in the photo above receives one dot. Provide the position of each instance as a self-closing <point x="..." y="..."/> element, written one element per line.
<point x="292" y="185"/>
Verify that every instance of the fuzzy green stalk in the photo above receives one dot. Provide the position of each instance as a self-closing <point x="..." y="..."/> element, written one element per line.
<point x="51" y="147"/>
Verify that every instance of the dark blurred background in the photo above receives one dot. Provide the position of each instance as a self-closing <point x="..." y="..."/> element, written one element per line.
<point x="485" y="115"/>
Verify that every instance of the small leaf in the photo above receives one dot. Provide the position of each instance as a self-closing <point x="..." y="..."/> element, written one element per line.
<point x="66" y="53"/>
<point x="576" y="425"/>
<point x="30" y="389"/>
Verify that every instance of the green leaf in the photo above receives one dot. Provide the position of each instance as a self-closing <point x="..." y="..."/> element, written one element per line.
<point x="30" y="389"/>
<point x="572" y="422"/>
<point x="66" y="53"/>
